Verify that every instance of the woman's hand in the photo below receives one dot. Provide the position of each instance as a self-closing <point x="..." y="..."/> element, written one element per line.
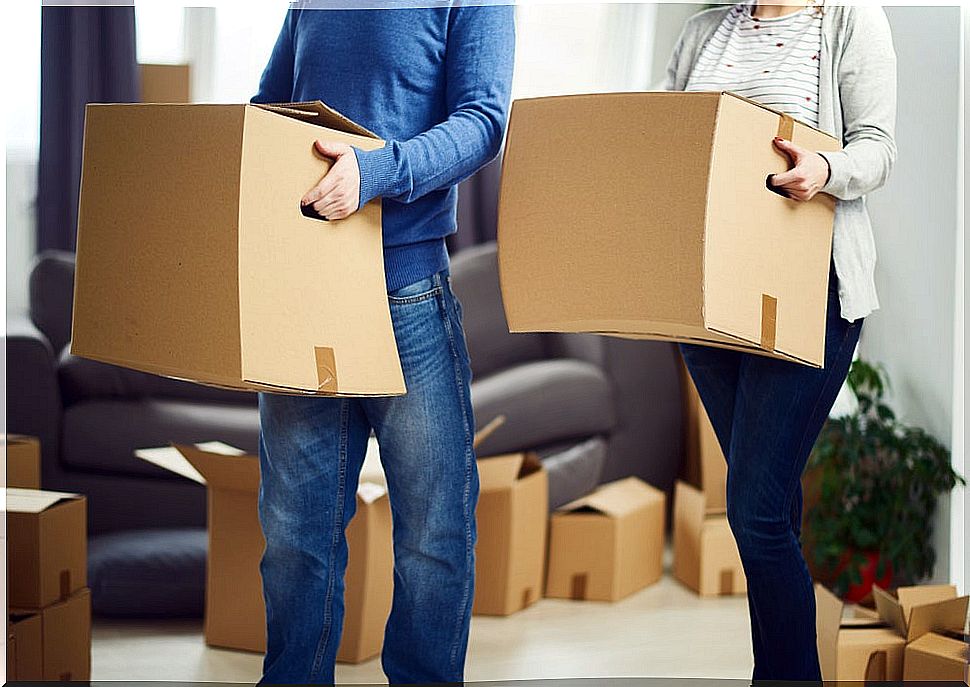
<point x="338" y="194"/>
<point x="806" y="178"/>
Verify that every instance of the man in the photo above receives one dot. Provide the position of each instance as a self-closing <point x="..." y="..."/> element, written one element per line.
<point x="434" y="83"/>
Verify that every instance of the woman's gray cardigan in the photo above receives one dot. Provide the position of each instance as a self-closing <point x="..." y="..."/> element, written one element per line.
<point x="857" y="105"/>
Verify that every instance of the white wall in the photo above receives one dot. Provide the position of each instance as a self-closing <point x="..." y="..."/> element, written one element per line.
<point x="915" y="218"/>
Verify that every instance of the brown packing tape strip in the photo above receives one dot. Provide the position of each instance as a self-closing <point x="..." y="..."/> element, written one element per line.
<point x="877" y="666"/>
<point x="786" y="127"/>
<point x="326" y="369"/>
<point x="769" y="321"/>
<point x="65" y="583"/>
<point x="578" y="591"/>
<point x="727" y="582"/>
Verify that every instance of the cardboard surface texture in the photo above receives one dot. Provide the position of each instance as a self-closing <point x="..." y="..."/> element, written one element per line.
<point x="647" y="215"/>
<point x="23" y="461"/>
<point x="52" y="643"/>
<point x="856" y="646"/>
<point x="915" y="611"/>
<point x="166" y="83"/>
<point x="934" y="657"/>
<point x="706" y="557"/>
<point x="609" y="544"/>
<point x="46" y="546"/>
<point x="512" y="513"/>
<point x="235" y="615"/>
<point x="194" y="259"/>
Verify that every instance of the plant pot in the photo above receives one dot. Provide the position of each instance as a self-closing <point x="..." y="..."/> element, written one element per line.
<point x="857" y="592"/>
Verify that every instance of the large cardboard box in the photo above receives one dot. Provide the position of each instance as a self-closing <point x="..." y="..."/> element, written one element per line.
<point x="53" y="643"/>
<point x="165" y="83"/>
<point x="706" y="557"/>
<point x="195" y="260"/>
<point x="46" y="547"/>
<point x="235" y="613"/>
<point x="23" y="461"/>
<point x="915" y="611"/>
<point x="512" y="518"/>
<point x="855" y="644"/>
<point x="938" y="658"/>
<point x="608" y="544"/>
<point x="648" y="215"/>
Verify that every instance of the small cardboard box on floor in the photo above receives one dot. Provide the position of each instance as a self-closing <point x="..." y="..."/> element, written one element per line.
<point x="923" y="616"/>
<point x="235" y="615"/>
<point x="609" y="544"/>
<point x="52" y="643"/>
<point x="23" y="461"/>
<point x="46" y="547"/>
<point x="195" y="260"/>
<point x="855" y="646"/>
<point x="512" y="518"/>
<point x="647" y="215"/>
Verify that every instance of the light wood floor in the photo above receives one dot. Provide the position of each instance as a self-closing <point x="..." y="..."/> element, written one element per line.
<point x="663" y="631"/>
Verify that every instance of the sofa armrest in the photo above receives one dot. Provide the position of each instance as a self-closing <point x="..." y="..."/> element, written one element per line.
<point x="33" y="397"/>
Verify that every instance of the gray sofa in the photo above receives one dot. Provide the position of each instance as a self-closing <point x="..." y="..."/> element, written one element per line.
<point x="594" y="408"/>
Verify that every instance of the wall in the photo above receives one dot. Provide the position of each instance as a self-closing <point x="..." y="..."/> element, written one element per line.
<point x="915" y="220"/>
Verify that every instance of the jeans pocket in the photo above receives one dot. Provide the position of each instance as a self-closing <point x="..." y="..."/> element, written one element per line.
<point x="420" y="290"/>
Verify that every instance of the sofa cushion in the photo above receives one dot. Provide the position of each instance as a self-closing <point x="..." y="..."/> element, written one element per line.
<point x="82" y="379"/>
<point x="474" y="277"/>
<point x="148" y="573"/>
<point x="544" y="402"/>
<point x="102" y="435"/>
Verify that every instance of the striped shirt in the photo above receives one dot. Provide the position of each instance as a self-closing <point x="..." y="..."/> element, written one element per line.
<point x="773" y="61"/>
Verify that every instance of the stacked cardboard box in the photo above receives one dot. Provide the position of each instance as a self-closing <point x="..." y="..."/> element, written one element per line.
<point x="706" y="556"/>
<point x="609" y="544"/>
<point x="226" y="281"/>
<point x="49" y="605"/>
<point x="23" y="461"/>
<point x="512" y="517"/>
<point x="692" y="256"/>
<point x="235" y="612"/>
<point x="915" y="634"/>
<point x="930" y="619"/>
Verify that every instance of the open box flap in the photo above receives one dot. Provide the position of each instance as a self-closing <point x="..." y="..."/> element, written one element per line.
<point x="237" y="472"/>
<point x="615" y="499"/>
<point x="317" y="112"/>
<point x="34" y="500"/>
<point x="501" y="472"/>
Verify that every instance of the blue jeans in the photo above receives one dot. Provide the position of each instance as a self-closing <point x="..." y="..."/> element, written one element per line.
<point x="767" y="414"/>
<point x="311" y="452"/>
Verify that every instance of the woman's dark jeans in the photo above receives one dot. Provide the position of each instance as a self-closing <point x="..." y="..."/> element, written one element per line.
<point x="767" y="414"/>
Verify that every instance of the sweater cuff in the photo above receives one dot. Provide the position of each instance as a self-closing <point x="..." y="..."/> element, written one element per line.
<point x="376" y="172"/>
<point x="838" y="172"/>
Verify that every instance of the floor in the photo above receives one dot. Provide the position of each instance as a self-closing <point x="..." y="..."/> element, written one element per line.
<point x="663" y="631"/>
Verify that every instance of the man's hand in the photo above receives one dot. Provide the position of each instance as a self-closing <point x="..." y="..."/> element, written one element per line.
<point x="338" y="194"/>
<point x="806" y="178"/>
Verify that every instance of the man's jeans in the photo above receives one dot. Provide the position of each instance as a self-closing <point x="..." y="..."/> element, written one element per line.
<point x="311" y="452"/>
<point x="767" y="414"/>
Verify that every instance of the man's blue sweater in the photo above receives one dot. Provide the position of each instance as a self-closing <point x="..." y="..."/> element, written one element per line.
<point x="434" y="83"/>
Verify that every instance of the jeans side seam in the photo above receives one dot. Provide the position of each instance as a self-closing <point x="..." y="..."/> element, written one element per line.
<point x="338" y="519"/>
<point x="466" y="493"/>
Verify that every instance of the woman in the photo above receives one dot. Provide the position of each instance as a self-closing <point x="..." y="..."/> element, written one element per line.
<point x="833" y="68"/>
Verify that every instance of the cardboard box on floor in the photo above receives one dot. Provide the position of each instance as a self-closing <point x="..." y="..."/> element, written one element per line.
<point x="23" y="461"/>
<point x="195" y="261"/>
<point x="52" y="643"/>
<point x="46" y="547"/>
<point x="855" y="646"/>
<point x="706" y="557"/>
<point x="235" y="613"/>
<point x="938" y="658"/>
<point x="512" y="517"/>
<point x="609" y="544"/>
<point x="647" y="215"/>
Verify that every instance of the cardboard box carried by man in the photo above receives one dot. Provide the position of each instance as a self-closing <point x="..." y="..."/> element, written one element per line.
<point x="195" y="260"/>
<point x="647" y="215"/>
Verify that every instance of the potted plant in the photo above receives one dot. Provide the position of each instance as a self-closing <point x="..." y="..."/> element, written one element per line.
<point x="874" y="483"/>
